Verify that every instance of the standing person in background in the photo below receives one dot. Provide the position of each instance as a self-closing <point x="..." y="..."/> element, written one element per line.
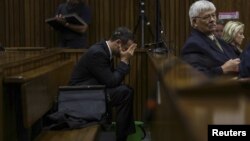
<point x="219" y="28"/>
<point x="76" y="37"/>
<point x="233" y="34"/>
<point x="95" y="67"/>
<point x="202" y="49"/>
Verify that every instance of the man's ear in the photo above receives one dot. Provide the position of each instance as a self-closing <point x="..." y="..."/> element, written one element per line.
<point x="118" y="41"/>
<point x="194" y="22"/>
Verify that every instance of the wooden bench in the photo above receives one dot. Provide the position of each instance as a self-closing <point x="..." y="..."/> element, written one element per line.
<point x="30" y="89"/>
<point x="37" y="89"/>
<point x="11" y="63"/>
<point x="88" y="133"/>
<point x="85" y="134"/>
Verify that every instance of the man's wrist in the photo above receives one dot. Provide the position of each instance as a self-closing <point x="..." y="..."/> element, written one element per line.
<point x="223" y="69"/>
<point x="125" y="61"/>
<point x="66" y="24"/>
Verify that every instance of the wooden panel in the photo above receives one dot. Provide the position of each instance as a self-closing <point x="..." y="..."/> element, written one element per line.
<point x="190" y="101"/>
<point x="23" y="20"/>
<point x="1" y="108"/>
<point x="2" y="22"/>
<point x="138" y="81"/>
<point x="39" y="94"/>
<point x="35" y="77"/>
<point x="27" y="27"/>
<point x="2" y="25"/>
<point x="18" y="54"/>
<point x="7" y="24"/>
<point x="34" y="61"/>
<point x="237" y="5"/>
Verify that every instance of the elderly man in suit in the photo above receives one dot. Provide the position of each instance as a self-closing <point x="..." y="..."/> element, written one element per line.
<point x="96" y="67"/>
<point x="203" y="50"/>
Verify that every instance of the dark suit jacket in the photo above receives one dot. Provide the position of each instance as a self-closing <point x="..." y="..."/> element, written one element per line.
<point x="203" y="54"/>
<point x="95" y="67"/>
<point x="245" y="63"/>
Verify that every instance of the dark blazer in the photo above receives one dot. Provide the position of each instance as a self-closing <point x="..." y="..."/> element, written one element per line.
<point x="245" y="63"/>
<point x="236" y="49"/>
<point x="95" y="67"/>
<point x="203" y="54"/>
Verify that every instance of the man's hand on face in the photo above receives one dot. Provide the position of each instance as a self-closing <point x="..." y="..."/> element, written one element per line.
<point x="126" y="54"/>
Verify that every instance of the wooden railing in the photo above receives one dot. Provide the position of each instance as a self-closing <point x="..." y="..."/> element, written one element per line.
<point x="12" y="57"/>
<point x="187" y="101"/>
<point x="18" y="54"/>
<point x="29" y="90"/>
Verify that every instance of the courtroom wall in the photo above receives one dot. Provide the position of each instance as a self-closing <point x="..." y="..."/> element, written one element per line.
<point x="22" y="21"/>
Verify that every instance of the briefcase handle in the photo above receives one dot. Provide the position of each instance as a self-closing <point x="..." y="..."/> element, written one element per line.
<point x="78" y="87"/>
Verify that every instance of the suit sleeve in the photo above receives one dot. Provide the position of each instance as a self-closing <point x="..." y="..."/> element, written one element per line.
<point x="100" y="67"/>
<point x="193" y="54"/>
<point x="245" y="64"/>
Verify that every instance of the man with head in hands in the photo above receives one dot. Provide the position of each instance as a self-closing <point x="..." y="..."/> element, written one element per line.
<point x="95" y="67"/>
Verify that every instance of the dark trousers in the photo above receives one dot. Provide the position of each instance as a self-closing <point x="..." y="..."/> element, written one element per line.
<point x="121" y="98"/>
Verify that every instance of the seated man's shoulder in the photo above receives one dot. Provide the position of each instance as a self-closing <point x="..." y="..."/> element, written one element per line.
<point x="193" y="44"/>
<point x="96" y="49"/>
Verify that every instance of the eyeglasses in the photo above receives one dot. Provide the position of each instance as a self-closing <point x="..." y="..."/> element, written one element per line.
<point x="207" y="17"/>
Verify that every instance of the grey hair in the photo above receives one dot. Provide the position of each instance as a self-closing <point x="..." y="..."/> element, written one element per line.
<point x="198" y="7"/>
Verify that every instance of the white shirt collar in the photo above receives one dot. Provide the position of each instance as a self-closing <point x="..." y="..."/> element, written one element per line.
<point x="109" y="50"/>
<point x="212" y="37"/>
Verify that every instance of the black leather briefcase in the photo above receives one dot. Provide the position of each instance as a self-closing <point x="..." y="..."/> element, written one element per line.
<point x="87" y="102"/>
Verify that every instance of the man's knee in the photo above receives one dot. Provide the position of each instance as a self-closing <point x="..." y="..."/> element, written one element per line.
<point x="126" y="92"/>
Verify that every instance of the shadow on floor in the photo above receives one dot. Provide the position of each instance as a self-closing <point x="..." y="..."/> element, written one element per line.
<point x="106" y="136"/>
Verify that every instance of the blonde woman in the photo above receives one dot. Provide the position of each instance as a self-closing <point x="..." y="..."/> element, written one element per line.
<point x="233" y="34"/>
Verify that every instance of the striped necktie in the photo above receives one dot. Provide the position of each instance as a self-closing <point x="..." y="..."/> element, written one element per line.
<point x="218" y="44"/>
<point x="213" y="38"/>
